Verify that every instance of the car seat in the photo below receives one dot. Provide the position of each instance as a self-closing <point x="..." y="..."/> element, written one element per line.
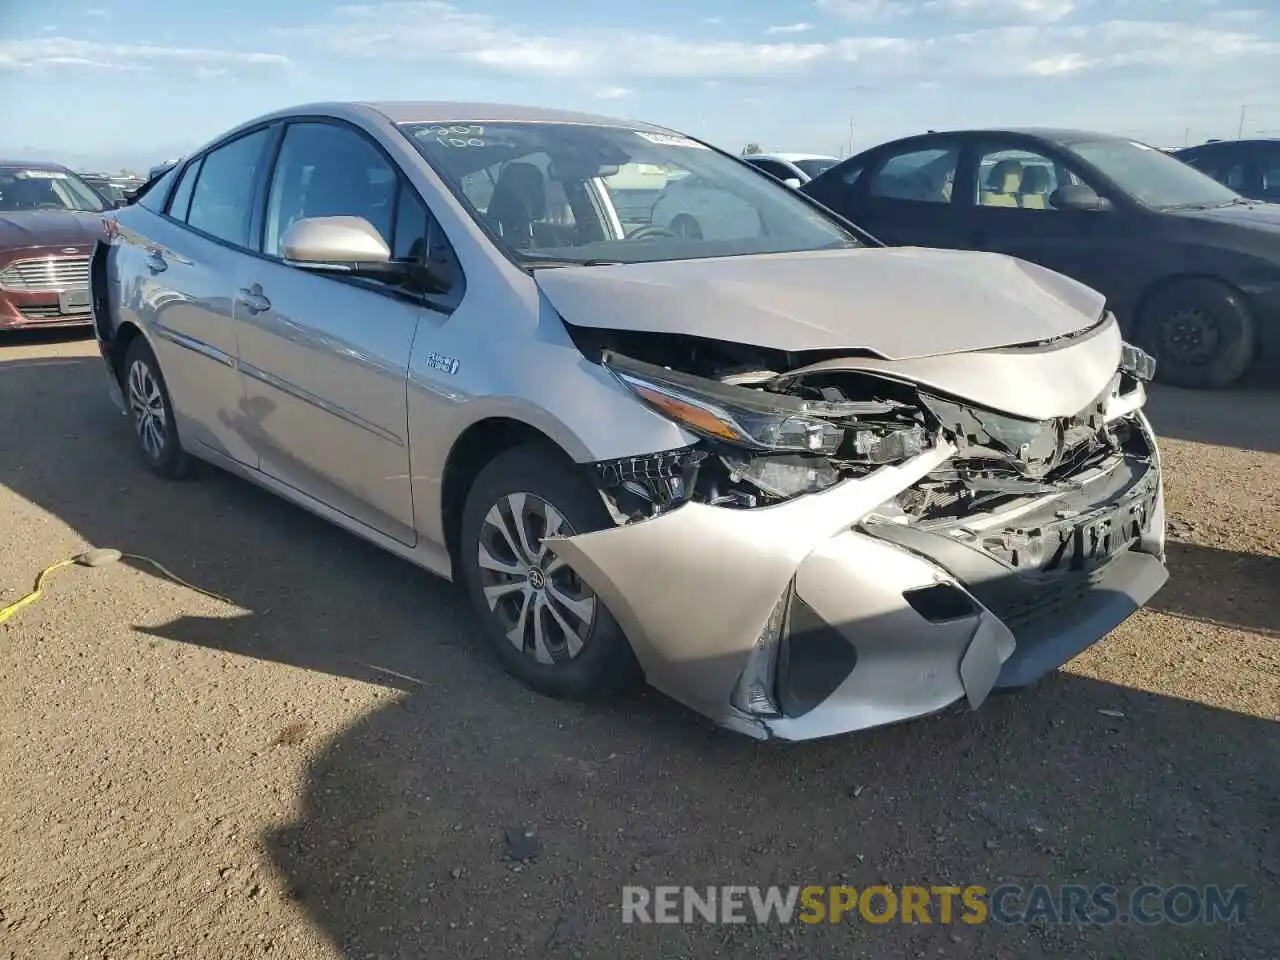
<point x="1034" y="194"/>
<point x="519" y="201"/>
<point x="1003" y="184"/>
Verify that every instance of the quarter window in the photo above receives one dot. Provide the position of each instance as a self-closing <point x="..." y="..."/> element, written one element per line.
<point x="181" y="200"/>
<point x="418" y="237"/>
<point x="222" y="202"/>
<point x="925" y="176"/>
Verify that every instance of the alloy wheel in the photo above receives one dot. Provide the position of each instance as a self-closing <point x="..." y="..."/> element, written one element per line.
<point x="146" y="401"/>
<point x="545" y="609"/>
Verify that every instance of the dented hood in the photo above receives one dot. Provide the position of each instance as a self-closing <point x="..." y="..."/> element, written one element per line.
<point x="896" y="302"/>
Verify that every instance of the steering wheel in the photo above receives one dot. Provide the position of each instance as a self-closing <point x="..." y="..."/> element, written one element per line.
<point x="653" y="232"/>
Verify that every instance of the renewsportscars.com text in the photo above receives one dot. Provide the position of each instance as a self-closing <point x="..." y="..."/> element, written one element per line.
<point x="1008" y="904"/>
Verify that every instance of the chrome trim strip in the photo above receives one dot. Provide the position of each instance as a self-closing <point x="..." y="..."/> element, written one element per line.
<point x="199" y="346"/>
<point x="342" y="413"/>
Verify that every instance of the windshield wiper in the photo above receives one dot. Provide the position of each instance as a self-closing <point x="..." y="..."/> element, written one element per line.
<point x="535" y="262"/>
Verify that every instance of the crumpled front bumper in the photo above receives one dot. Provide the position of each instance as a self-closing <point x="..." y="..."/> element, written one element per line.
<point x="883" y="622"/>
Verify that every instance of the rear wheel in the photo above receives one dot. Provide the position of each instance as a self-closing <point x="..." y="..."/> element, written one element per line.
<point x="1200" y="331"/>
<point x="151" y="410"/>
<point x="543" y="622"/>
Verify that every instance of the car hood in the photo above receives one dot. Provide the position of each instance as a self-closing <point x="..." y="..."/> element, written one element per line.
<point x="894" y="302"/>
<point x="1257" y="215"/>
<point x="48" y="228"/>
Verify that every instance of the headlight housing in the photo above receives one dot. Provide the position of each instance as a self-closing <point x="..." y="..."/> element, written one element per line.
<point x="781" y="444"/>
<point x="742" y="417"/>
<point x="1137" y="362"/>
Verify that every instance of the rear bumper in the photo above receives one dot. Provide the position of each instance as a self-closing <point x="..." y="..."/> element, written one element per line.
<point x="807" y="619"/>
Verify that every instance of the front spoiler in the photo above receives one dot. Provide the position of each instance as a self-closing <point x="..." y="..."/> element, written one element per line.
<point x="694" y="588"/>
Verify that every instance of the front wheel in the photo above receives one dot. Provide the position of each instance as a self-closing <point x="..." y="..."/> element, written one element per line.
<point x="151" y="410"/>
<point x="1200" y="331"/>
<point x="546" y="626"/>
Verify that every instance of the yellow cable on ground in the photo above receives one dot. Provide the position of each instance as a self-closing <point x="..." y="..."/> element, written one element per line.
<point x="99" y="557"/>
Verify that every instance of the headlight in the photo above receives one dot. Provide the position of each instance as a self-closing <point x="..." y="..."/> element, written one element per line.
<point x="1137" y="363"/>
<point x="763" y="422"/>
<point x="741" y="421"/>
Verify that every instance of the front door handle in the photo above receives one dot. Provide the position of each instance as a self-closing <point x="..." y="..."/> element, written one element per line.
<point x="253" y="299"/>
<point x="156" y="262"/>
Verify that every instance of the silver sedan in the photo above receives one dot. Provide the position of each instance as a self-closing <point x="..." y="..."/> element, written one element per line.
<point x="799" y="481"/>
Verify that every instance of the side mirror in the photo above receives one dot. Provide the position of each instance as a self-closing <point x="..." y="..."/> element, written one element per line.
<point x="1078" y="196"/>
<point x="792" y="182"/>
<point x="351" y="246"/>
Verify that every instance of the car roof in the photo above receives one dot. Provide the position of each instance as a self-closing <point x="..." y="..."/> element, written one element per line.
<point x="1058" y="135"/>
<point x="34" y="165"/>
<point x="442" y="111"/>
<point x="1221" y="144"/>
<point x="790" y="157"/>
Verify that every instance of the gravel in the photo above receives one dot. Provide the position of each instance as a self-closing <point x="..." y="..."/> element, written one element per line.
<point x="330" y="766"/>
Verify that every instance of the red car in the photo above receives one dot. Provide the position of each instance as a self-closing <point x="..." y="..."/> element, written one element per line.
<point x="49" y="220"/>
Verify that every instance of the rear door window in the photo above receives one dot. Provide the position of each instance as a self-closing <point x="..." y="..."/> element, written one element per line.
<point x="925" y="176"/>
<point x="222" y="201"/>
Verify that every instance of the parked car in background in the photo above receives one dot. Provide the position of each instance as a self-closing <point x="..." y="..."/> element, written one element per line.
<point x="1190" y="268"/>
<point x="696" y="208"/>
<point x="49" y="220"/>
<point x="1249" y="167"/>
<point x="160" y="169"/>
<point x="115" y="190"/>
<point x="750" y="467"/>
<point x="799" y="167"/>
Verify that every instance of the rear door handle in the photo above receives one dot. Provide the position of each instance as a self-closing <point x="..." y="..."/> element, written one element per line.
<point x="156" y="262"/>
<point x="253" y="299"/>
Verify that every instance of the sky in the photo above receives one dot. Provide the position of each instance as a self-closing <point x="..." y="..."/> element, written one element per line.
<point x="133" y="84"/>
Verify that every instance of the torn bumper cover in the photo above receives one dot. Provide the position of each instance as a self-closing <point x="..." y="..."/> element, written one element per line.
<point x="821" y="615"/>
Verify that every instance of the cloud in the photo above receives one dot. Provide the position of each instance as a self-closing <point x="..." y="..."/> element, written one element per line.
<point x="63" y="52"/>
<point x="1003" y="11"/>
<point x="611" y="93"/>
<point x="96" y="12"/>
<point x="790" y="28"/>
<point x="435" y="32"/>
<point x="864" y="11"/>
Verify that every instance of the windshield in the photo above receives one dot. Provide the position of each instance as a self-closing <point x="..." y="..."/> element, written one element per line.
<point x="574" y="193"/>
<point x="1151" y="176"/>
<point x="812" y="168"/>
<point x="25" y="188"/>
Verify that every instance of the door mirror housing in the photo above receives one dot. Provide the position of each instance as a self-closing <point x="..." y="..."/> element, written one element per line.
<point x="1078" y="196"/>
<point x="351" y="246"/>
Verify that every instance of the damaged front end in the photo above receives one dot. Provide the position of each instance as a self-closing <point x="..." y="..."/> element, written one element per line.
<point x="844" y="547"/>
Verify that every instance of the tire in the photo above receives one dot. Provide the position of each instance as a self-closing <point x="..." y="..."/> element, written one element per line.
<point x="1200" y="331"/>
<point x="685" y="227"/>
<point x="151" y="411"/>
<point x="603" y="663"/>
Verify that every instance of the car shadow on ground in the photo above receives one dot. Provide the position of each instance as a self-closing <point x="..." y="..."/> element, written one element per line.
<point x="1246" y="416"/>
<point x="398" y="847"/>
<point x="1221" y="586"/>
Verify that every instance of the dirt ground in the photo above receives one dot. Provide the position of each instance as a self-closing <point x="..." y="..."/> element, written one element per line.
<point x="326" y="767"/>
